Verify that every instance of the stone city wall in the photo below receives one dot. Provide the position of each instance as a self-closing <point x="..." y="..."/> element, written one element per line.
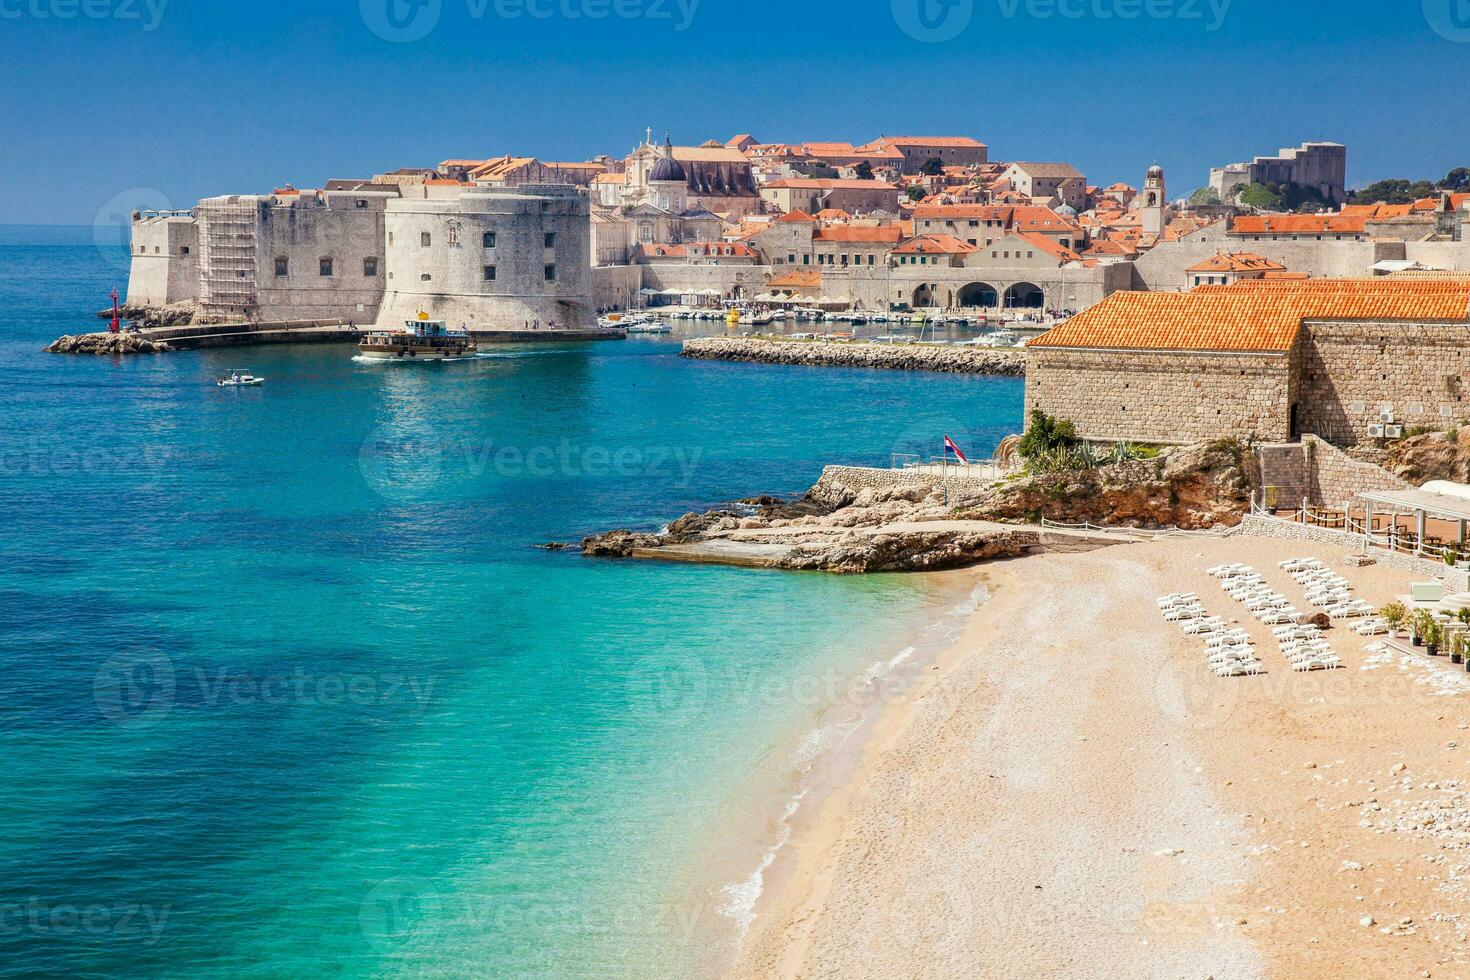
<point x="1352" y="372"/>
<point x="1162" y="397"/>
<point x="165" y="260"/>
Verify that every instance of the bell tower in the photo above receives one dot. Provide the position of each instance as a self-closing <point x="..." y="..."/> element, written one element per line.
<point x="1155" y="199"/>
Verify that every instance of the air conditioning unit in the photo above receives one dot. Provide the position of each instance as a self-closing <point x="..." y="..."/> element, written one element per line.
<point x="1386" y="416"/>
<point x="1393" y="432"/>
<point x="1376" y="431"/>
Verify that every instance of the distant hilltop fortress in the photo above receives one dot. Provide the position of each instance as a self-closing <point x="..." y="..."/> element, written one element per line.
<point x="1319" y="166"/>
<point x="901" y="222"/>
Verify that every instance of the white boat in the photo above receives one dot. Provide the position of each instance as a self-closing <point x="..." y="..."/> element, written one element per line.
<point x="649" y="325"/>
<point x="240" y="378"/>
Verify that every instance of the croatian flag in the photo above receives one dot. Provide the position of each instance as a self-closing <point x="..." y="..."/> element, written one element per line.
<point x="950" y="447"/>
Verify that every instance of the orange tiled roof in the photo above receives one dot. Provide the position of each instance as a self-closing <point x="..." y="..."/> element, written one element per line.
<point x="1299" y="224"/>
<point x="1256" y="317"/>
<point x="1048" y="246"/>
<point x="1236" y="262"/>
<point x="859" y="233"/>
<point x="934" y="245"/>
<point x="804" y="279"/>
<point x="798" y="215"/>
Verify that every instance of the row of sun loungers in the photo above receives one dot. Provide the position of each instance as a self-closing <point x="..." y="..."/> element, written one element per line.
<point x="1228" y="651"/>
<point x="1327" y="590"/>
<point x="1301" y="644"/>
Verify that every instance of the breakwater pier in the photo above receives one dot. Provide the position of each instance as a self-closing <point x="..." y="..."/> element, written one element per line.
<point x="1008" y="362"/>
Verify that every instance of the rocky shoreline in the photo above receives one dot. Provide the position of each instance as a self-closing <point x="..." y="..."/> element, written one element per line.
<point x="111" y="344"/>
<point x="856" y="521"/>
<point x="897" y="357"/>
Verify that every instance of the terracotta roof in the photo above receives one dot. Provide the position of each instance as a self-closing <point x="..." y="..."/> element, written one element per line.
<point x="934" y="245"/>
<point x="708" y="249"/>
<point x="1254" y="317"/>
<point x="1277" y="274"/>
<point x="922" y="141"/>
<point x="708" y="154"/>
<point x="798" y="215"/>
<point x="1048" y="169"/>
<point x="832" y="214"/>
<point x="815" y="184"/>
<point x="859" y="233"/>
<point x="1299" y="224"/>
<point x="1236" y="262"/>
<point x="806" y="279"/>
<point x="1048" y="246"/>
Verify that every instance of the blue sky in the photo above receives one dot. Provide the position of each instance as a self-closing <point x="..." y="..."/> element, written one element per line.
<point x="108" y="100"/>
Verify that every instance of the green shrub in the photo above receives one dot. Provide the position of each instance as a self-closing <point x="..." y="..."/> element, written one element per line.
<point x="1045" y="434"/>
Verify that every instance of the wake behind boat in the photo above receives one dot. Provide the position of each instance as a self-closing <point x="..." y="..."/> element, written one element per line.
<point x="420" y="340"/>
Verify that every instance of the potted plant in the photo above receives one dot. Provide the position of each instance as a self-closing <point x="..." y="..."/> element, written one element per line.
<point x="1452" y="557"/>
<point x="1457" y="649"/>
<point x="1432" y="637"/>
<point x="1420" y="623"/>
<point x="1394" y="615"/>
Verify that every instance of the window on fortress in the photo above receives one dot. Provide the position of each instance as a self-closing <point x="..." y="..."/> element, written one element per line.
<point x="551" y="273"/>
<point x="370" y="267"/>
<point x="183" y="250"/>
<point x="489" y="239"/>
<point x="489" y="273"/>
<point x="283" y="268"/>
<point x="326" y="267"/>
<point x="425" y="239"/>
<point x="551" y="239"/>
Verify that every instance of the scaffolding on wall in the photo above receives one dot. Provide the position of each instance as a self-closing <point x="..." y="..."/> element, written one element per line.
<point x="228" y="235"/>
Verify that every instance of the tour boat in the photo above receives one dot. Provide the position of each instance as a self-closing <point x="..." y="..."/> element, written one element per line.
<point x="419" y="340"/>
<point x="240" y="378"/>
<point x="648" y="325"/>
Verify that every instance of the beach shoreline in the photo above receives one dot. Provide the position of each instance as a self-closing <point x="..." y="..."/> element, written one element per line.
<point x="1066" y="791"/>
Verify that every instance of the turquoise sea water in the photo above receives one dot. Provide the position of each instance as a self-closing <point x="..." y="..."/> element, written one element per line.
<point x="288" y="691"/>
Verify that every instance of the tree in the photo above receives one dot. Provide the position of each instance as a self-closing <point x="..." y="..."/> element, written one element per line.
<point x="865" y="170"/>
<point x="1046" y="434"/>
<point x="1205" y="195"/>
<point x="1394" y="191"/>
<point x="1457" y="181"/>
<point x="932" y="167"/>
<point x="916" y="192"/>
<point x="1260" y="196"/>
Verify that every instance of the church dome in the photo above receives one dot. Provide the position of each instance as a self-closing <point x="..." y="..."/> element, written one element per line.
<point x="1067" y="211"/>
<point x="1156" y="171"/>
<point x="667" y="168"/>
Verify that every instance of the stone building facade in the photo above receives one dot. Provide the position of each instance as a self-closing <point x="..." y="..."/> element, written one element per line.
<point x="1163" y="397"/>
<point x="1270" y="361"/>
<point x="1322" y="166"/>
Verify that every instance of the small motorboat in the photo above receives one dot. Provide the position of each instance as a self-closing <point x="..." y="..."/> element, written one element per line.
<point x="240" y="378"/>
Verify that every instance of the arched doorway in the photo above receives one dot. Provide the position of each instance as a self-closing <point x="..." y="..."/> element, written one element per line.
<point x="923" y="296"/>
<point x="1025" y="296"/>
<point x="981" y="294"/>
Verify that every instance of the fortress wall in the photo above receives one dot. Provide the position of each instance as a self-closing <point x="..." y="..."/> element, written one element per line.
<point x="165" y="260"/>
<point x="444" y="274"/>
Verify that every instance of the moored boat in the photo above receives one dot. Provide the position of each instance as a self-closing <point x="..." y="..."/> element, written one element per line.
<point x="420" y="340"/>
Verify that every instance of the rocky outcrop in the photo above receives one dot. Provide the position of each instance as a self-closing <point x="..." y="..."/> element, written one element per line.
<point x="1432" y="456"/>
<point x="107" y="343"/>
<point x="900" y="357"/>
<point x="1191" y="488"/>
<point x="174" y="315"/>
<point x="914" y="550"/>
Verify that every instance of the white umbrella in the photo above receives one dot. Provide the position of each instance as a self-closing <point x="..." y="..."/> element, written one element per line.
<point x="645" y="291"/>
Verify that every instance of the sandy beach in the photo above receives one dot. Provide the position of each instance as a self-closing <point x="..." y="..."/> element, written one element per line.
<point x="1069" y="792"/>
